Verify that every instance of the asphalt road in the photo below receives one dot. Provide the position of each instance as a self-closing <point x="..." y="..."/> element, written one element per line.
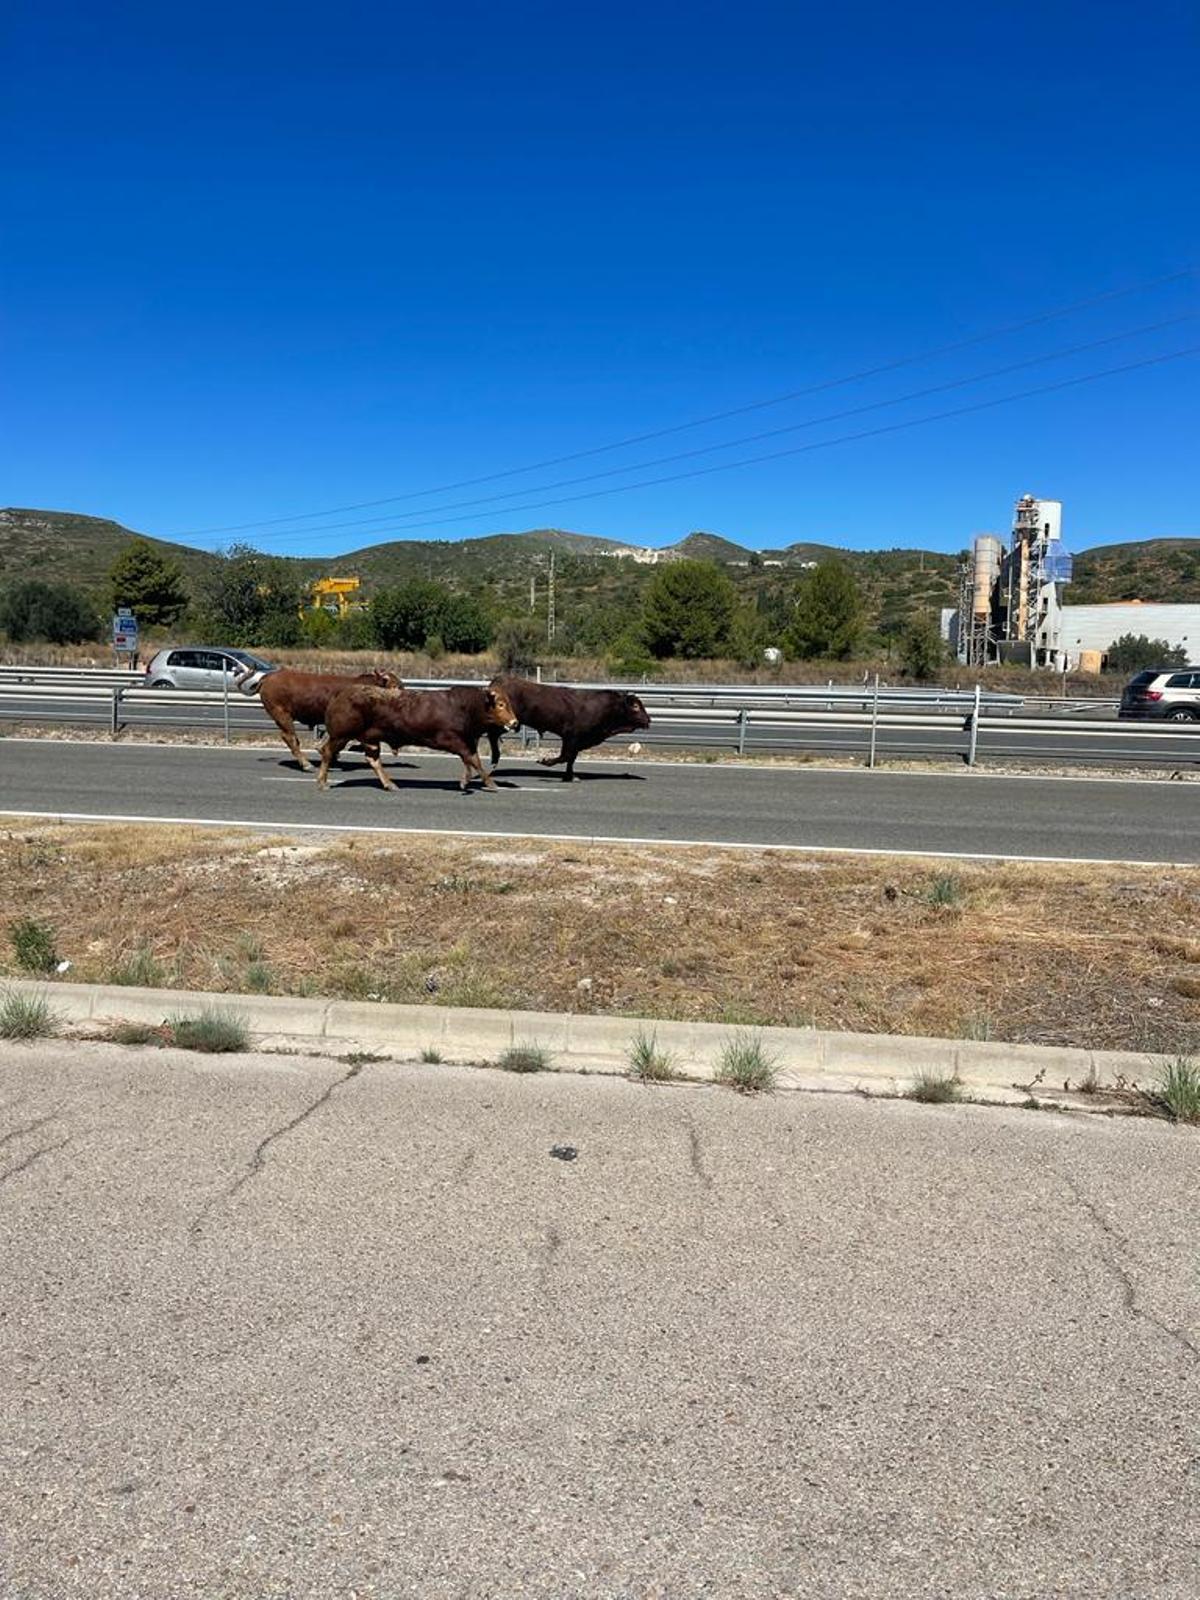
<point x="937" y="813"/>
<point x="1070" y="741"/>
<point x="282" y="1329"/>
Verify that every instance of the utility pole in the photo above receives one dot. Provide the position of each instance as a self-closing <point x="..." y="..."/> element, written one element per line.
<point x="533" y="591"/>
<point x="550" y="601"/>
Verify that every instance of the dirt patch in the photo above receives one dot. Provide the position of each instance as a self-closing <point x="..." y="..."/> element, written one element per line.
<point x="1040" y="954"/>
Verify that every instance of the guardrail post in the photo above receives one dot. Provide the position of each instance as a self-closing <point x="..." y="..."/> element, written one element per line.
<point x="225" y="703"/>
<point x="116" y="711"/>
<point x="743" y="719"/>
<point x="973" y="724"/>
<point x="874" y="721"/>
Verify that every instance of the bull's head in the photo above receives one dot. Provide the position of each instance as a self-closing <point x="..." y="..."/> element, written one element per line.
<point x="499" y="713"/>
<point x="634" y="714"/>
<point x="386" y="679"/>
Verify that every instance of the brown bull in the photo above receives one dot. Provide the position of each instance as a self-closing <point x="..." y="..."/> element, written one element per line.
<point x="582" y="718"/>
<point x="290" y="696"/>
<point x="439" y="719"/>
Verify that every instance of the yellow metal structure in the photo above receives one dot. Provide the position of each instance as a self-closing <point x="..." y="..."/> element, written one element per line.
<point x="336" y="595"/>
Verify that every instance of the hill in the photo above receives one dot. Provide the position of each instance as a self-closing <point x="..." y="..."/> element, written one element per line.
<point x="77" y="549"/>
<point x="598" y="593"/>
<point x="708" y="547"/>
<point x="1145" y="569"/>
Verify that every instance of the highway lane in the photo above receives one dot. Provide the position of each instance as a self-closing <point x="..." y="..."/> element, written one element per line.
<point x="1071" y="742"/>
<point x="937" y="813"/>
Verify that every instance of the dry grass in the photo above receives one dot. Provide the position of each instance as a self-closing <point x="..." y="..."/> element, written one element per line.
<point x="1047" y="954"/>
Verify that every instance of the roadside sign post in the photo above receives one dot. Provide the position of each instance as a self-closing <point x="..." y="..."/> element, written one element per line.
<point x="124" y="633"/>
<point x="874" y="721"/>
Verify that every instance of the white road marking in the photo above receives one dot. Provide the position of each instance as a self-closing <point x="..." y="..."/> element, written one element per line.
<point x="266" y="825"/>
<point x="804" y="768"/>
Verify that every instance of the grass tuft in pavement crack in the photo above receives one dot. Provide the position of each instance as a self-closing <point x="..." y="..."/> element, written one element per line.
<point x="745" y="1064"/>
<point x="214" y="1030"/>
<point x="1178" y="1090"/>
<point x="647" y="1062"/>
<point x="935" y="1088"/>
<point x="525" y="1058"/>
<point x="26" y="1016"/>
<point x="431" y="1056"/>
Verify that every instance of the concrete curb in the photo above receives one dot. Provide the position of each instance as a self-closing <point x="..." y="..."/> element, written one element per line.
<point x="806" y="1058"/>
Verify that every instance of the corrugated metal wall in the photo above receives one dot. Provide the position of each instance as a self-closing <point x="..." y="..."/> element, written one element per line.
<point x="1097" y="627"/>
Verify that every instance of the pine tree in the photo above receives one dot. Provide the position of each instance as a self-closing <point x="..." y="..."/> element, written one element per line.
<point x="149" y="584"/>
<point x="688" y="610"/>
<point x="828" y="617"/>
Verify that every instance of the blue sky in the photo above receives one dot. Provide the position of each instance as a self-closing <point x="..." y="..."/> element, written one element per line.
<point x="261" y="260"/>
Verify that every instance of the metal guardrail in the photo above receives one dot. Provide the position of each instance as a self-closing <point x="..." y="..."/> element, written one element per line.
<point x="742" y="727"/>
<point x="750" y="695"/>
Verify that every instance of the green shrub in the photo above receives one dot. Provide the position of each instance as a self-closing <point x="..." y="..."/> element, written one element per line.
<point x="33" y="945"/>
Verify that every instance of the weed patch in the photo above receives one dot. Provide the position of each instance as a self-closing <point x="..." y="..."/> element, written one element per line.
<point x="647" y="1062"/>
<point x="746" y="1065"/>
<point x="214" y="1030"/>
<point x="431" y="1056"/>
<point x="138" y="970"/>
<point x="26" y="1016"/>
<point x="1178" y="1090"/>
<point x="936" y="1088"/>
<point x="525" y="1058"/>
<point x="258" y="978"/>
<point x="946" y="890"/>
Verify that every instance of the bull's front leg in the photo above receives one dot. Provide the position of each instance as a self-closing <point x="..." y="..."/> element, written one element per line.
<point x="329" y="754"/>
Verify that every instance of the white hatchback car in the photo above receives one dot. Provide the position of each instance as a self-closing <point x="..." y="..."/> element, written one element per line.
<point x="199" y="666"/>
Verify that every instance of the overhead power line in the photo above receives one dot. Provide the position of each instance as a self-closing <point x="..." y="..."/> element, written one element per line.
<point x="399" y="517"/>
<point x="860" y="376"/>
<point x="845" y="438"/>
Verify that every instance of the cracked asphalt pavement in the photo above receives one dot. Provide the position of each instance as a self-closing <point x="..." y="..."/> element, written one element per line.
<point x="282" y="1328"/>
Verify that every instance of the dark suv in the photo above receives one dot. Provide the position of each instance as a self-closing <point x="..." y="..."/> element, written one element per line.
<point x="1164" y="694"/>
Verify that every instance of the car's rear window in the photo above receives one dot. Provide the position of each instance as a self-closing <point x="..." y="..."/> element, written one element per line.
<point x="1142" y="679"/>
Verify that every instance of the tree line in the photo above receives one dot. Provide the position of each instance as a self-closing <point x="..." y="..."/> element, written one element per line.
<point x="689" y="610"/>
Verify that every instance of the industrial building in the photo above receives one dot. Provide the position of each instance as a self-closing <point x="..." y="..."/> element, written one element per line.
<point x="1011" y="605"/>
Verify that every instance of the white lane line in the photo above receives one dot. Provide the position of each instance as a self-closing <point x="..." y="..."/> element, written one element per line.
<point x="268" y="824"/>
<point x="962" y="772"/>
